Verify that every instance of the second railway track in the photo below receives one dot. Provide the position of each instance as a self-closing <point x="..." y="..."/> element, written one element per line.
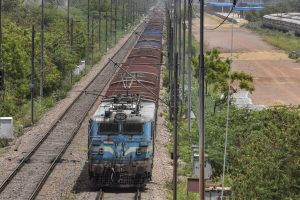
<point x="29" y="176"/>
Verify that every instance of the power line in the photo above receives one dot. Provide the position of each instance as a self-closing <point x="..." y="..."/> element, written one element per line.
<point x="233" y="6"/>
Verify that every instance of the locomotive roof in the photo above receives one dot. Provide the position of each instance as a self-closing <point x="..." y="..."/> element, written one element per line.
<point x="146" y="113"/>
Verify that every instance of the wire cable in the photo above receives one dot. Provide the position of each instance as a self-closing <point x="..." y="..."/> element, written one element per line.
<point x="232" y="8"/>
<point x="126" y="71"/>
<point x="227" y="118"/>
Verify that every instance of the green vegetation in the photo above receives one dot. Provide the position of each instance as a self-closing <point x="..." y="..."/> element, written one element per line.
<point x="60" y="57"/>
<point x="263" y="146"/>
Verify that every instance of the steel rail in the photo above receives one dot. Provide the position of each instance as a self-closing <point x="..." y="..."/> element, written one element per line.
<point x="48" y="132"/>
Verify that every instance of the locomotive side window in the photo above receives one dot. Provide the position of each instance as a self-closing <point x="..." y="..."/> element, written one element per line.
<point x="108" y="128"/>
<point x="133" y="128"/>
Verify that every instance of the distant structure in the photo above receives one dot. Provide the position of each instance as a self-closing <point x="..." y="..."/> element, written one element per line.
<point x="288" y="22"/>
<point x="224" y="6"/>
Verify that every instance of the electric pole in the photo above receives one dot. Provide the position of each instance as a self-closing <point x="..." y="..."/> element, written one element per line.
<point x="88" y="35"/>
<point x="111" y="23"/>
<point x="189" y="66"/>
<point x="32" y="76"/>
<point x="100" y="23"/>
<point x="106" y="31"/>
<point x="68" y="22"/>
<point x="42" y="54"/>
<point x="183" y="56"/>
<point x="116" y="18"/>
<point x="201" y="106"/>
<point x="175" y="149"/>
<point x="2" y="69"/>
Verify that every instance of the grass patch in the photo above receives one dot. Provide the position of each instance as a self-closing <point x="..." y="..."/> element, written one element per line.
<point x="285" y="41"/>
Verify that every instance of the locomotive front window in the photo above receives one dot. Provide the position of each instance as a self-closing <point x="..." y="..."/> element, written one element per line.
<point x="108" y="128"/>
<point x="133" y="128"/>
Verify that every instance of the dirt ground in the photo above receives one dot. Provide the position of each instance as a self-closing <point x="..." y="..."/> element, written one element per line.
<point x="276" y="77"/>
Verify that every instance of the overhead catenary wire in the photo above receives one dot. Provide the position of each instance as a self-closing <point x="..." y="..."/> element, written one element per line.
<point x="128" y="73"/>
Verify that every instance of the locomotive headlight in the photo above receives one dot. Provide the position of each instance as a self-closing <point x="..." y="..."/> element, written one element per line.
<point x="138" y="151"/>
<point x="101" y="151"/>
<point x="143" y="144"/>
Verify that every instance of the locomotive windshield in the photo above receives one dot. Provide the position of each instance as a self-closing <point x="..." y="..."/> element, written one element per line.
<point x="133" y="128"/>
<point x="108" y="128"/>
<point x="125" y="128"/>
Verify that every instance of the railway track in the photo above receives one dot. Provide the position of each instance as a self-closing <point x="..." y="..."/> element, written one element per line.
<point x="29" y="176"/>
<point x="136" y="195"/>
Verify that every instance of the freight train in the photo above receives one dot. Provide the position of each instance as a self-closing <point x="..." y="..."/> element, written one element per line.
<point x="122" y="130"/>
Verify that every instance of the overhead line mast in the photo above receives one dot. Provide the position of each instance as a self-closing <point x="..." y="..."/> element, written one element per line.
<point x="201" y="106"/>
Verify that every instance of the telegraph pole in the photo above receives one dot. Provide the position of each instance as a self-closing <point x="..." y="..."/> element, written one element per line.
<point x="32" y="76"/>
<point x="201" y="105"/>
<point x="42" y="54"/>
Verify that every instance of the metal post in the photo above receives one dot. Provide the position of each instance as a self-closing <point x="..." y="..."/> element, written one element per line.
<point x="126" y="16"/>
<point x="99" y="26"/>
<point x="123" y="12"/>
<point x="201" y="105"/>
<point x="111" y="22"/>
<point x="179" y="40"/>
<point x="1" y="59"/>
<point x="183" y="56"/>
<point x="88" y="30"/>
<point x="72" y="30"/>
<point x="32" y="76"/>
<point x="175" y="128"/>
<point x="189" y="66"/>
<point x="106" y="31"/>
<point x="116" y="18"/>
<point x="42" y="54"/>
<point x="92" y="41"/>
<point x="68" y="22"/>
<point x="171" y="74"/>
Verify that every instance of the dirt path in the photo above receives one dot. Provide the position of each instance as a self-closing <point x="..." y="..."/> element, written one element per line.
<point x="276" y="77"/>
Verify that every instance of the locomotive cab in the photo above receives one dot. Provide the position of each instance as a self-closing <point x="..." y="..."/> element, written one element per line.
<point x="121" y="136"/>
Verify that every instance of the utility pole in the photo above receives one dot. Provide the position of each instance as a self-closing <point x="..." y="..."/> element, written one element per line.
<point x="71" y="35"/>
<point x="68" y="22"/>
<point x="179" y="40"/>
<point x="189" y="66"/>
<point x="32" y="76"/>
<point x="42" y="54"/>
<point x="100" y="23"/>
<point x="2" y="69"/>
<point x="111" y="23"/>
<point x="92" y="41"/>
<point x="183" y="56"/>
<point x="175" y="151"/>
<point x="201" y="105"/>
<point x="106" y="31"/>
<point x="88" y="30"/>
<point x="126" y="15"/>
<point x="116" y="18"/>
<point x="123" y="12"/>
